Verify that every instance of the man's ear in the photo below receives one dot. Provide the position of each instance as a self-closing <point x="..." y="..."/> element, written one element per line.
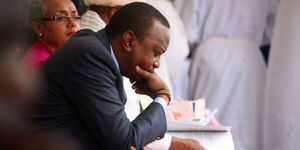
<point x="128" y="39"/>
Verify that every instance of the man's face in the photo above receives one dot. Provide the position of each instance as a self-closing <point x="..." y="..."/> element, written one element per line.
<point x="146" y="52"/>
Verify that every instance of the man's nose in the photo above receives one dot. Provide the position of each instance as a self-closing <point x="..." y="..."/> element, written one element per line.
<point x="156" y="64"/>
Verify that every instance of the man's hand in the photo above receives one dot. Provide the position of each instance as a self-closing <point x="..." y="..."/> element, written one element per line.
<point x="150" y="83"/>
<point x="185" y="144"/>
<point x="133" y="148"/>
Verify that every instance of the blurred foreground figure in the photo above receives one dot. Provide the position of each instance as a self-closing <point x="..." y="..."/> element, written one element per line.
<point x="282" y="101"/>
<point x="12" y="26"/>
<point x="15" y="92"/>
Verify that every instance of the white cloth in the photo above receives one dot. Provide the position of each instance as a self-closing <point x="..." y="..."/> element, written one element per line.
<point x="162" y="144"/>
<point x="282" y="103"/>
<point x="91" y="20"/>
<point x="178" y="47"/>
<point x="193" y="14"/>
<point x="268" y="33"/>
<point x="227" y="68"/>
<point x="162" y="72"/>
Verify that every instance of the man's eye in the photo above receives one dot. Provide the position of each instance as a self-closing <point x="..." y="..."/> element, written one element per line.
<point x="157" y="53"/>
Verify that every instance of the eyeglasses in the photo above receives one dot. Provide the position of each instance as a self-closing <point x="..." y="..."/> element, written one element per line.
<point x="62" y="19"/>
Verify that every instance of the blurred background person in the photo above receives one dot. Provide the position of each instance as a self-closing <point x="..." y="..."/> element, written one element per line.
<point x="80" y="6"/>
<point x="281" y="122"/>
<point x="269" y="27"/>
<point x="227" y="67"/>
<point x="53" y="22"/>
<point x="178" y="49"/>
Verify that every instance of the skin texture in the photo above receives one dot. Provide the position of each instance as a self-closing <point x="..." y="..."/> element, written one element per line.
<point x="185" y="144"/>
<point x="145" y="52"/>
<point x="55" y="33"/>
<point x="139" y="57"/>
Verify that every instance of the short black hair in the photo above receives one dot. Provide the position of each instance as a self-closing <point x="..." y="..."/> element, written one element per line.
<point x="80" y="6"/>
<point x="137" y="17"/>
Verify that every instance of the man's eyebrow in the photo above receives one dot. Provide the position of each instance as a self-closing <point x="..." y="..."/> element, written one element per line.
<point x="160" y="43"/>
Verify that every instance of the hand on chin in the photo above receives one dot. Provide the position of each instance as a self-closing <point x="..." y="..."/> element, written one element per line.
<point x="135" y="78"/>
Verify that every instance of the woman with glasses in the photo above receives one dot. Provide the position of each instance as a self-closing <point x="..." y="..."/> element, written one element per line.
<point x="53" y="23"/>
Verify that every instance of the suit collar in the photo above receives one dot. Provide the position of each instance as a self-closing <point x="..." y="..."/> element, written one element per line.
<point x="102" y="36"/>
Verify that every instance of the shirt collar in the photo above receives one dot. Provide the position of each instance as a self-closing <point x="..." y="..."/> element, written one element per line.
<point x="114" y="57"/>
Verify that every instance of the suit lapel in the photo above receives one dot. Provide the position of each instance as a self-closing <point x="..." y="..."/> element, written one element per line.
<point x="102" y="36"/>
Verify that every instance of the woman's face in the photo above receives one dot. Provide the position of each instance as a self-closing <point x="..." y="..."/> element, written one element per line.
<point x="59" y="23"/>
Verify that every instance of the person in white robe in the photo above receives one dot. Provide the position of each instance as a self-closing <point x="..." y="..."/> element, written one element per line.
<point x="91" y="20"/>
<point x="178" y="48"/>
<point x="268" y="32"/>
<point x="282" y="103"/>
<point x="227" y="68"/>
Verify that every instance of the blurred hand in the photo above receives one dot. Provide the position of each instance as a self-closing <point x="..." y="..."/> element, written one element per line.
<point x="133" y="148"/>
<point x="150" y="84"/>
<point x="185" y="144"/>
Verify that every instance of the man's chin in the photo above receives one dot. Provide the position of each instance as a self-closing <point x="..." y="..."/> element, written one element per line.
<point x="135" y="79"/>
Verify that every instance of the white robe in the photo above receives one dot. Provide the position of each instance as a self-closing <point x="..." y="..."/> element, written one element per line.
<point x="282" y="103"/>
<point x="227" y="68"/>
<point x="271" y="17"/>
<point x="91" y="20"/>
<point x="178" y="48"/>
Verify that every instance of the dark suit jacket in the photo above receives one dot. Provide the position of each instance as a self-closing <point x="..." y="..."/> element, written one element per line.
<point x="83" y="97"/>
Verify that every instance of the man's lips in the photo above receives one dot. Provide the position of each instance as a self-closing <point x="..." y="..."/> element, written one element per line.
<point x="151" y="70"/>
<point x="71" y="33"/>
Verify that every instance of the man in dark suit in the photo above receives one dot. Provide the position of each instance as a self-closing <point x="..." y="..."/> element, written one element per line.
<point x="82" y="95"/>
